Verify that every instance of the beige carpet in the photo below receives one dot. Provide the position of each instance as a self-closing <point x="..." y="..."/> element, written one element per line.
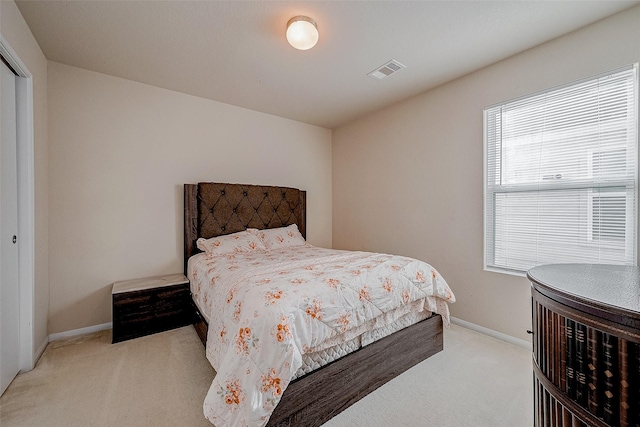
<point x="161" y="380"/>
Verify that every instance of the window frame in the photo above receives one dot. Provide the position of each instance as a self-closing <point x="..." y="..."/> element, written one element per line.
<point x="489" y="252"/>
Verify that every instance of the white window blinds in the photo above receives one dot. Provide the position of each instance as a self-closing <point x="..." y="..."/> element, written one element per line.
<point x="560" y="175"/>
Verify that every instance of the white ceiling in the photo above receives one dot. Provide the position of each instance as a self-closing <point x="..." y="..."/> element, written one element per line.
<point x="236" y="52"/>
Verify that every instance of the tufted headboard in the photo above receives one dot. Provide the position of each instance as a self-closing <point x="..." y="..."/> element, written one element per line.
<point x="214" y="209"/>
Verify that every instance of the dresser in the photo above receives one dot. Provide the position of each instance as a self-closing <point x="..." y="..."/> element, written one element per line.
<point x="586" y="345"/>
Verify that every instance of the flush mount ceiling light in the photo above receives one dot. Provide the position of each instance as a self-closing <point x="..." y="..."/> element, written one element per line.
<point x="302" y="32"/>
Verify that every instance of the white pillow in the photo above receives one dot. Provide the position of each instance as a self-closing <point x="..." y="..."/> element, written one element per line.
<point x="243" y="241"/>
<point x="274" y="238"/>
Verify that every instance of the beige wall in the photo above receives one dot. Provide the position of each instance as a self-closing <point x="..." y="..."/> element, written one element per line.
<point x="14" y="29"/>
<point x="108" y="192"/>
<point x="119" y="154"/>
<point x="409" y="179"/>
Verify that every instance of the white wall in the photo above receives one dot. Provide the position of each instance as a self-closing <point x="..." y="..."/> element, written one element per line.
<point x="15" y="30"/>
<point x="119" y="154"/>
<point x="409" y="179"/>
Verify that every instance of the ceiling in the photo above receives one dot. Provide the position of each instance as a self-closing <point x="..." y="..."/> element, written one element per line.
<point x="236" y="52"/>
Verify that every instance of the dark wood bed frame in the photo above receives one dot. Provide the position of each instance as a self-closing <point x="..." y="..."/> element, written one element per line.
<point x="213" y="209"/>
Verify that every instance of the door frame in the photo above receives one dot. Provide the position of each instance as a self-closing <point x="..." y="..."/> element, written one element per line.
<point x="26" y="202"/>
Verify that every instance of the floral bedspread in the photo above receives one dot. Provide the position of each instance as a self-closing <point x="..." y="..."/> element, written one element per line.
<point x="267" y="308"/>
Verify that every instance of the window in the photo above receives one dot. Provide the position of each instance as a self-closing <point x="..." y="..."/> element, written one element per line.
<point x="560" y="175"/>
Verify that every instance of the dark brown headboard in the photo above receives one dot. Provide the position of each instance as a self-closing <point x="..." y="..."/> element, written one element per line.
<point x="214" y="209"/>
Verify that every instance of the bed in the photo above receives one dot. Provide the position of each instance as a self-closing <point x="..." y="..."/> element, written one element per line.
<point x="322" y="391"/>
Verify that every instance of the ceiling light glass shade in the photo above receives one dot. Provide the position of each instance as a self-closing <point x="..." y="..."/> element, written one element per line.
<point x="302" y="32"/>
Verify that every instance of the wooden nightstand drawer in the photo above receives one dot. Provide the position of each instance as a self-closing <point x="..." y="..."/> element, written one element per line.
<point x="146" y="306"/>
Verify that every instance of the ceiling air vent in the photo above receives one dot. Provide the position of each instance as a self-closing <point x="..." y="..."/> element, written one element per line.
<point x="386" y="70"/>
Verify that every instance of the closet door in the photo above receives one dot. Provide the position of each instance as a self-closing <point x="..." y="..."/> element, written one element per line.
<point x="9" y="286"/>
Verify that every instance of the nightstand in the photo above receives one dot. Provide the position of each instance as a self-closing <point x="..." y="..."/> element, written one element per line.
<point x="153" y="304"/>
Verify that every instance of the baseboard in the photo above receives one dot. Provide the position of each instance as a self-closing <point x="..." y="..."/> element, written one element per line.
<point x="492" y="333"/>
<point x="40" y="351"/>
<point x="37" y="355"/>
<point x="75" y="332"/>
